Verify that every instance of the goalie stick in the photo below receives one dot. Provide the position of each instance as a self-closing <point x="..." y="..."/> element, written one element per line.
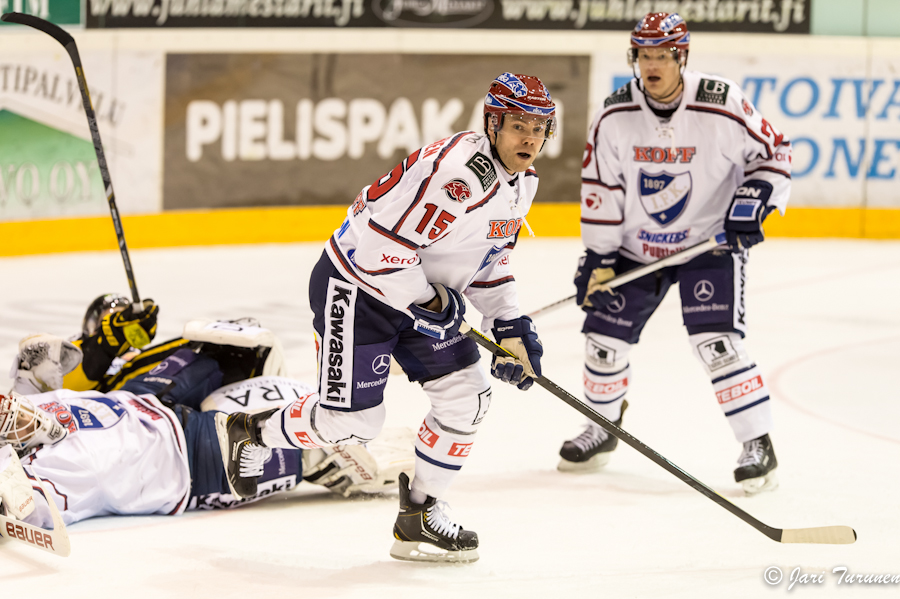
<point x="640" y="271"/>
<point x="831" y="535"/>
<point x="68" y="42"/>
<point x="54" y="541"/>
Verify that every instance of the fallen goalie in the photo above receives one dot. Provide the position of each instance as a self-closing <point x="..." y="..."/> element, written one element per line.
<point x="151" y="446"/>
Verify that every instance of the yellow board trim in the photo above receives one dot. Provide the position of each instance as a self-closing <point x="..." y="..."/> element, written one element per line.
<point x="317" y="223"/>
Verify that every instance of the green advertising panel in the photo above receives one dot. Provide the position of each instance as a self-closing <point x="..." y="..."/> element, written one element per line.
<point x="45" y="172"/>
<point x="61" y="12"/>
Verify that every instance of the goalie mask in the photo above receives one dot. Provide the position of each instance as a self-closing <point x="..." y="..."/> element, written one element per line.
<point x="25" y="426"/>
<point x="100" y="307"/>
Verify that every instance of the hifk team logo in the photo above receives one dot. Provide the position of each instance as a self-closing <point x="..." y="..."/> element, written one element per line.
<point x="665" y="196"/>
<point x="457" y="190"/>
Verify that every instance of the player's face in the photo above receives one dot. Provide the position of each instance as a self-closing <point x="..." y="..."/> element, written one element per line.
<point x="519" y="141"/>
<point x="660" y="73"/>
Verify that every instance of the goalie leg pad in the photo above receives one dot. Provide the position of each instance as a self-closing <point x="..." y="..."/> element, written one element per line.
<point x="737" y="381"/>
<point x="15" y="488"/>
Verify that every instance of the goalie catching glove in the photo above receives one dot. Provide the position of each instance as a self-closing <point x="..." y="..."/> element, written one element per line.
<point x="594" y="270"/>
<point x="519" y="337"/>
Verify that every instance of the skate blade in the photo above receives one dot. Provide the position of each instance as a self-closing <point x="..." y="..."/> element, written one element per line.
<point x="761" y="484"/>
<point x="412" y="551"/>
<point x="592" y="465"/>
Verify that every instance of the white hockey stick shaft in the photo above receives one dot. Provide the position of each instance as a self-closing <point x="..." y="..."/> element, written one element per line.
<point x="631" y="275"/>
<point x="54" y="541"/>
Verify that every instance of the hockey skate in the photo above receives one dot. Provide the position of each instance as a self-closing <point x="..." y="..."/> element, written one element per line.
<point x="424" y="533"/>
<point x="756" y="466"/>
<point x="590" y="451"/>
<point x="243" y="453"/>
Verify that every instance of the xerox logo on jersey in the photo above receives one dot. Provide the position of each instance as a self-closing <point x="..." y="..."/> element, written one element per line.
<point x="457" y="190"/>
<point x="501" y="229"/>
<point x="664" y="195"/>
<point x="659" y="155"/>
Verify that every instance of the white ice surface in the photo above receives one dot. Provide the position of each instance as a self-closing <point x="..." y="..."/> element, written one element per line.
<point x="825" y="328"/>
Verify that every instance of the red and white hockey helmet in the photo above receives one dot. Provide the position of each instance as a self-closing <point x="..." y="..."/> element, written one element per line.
<point x="661" y="30"/>
<point x="524" y="97"/>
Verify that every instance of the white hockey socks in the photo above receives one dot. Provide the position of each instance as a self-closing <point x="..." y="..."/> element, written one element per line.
<point x="737" y="382"/>
<point x="606" y="374"/>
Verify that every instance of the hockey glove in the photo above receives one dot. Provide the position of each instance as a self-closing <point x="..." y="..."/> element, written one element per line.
<point x="442" y="323"/>
<point x="519" y="337"/>
<point x="593" y="271"/>
<point x="123" y="330"/>
<point x="748" y="210"/>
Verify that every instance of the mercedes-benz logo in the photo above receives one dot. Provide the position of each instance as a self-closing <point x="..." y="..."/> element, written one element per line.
<point x="381" y="364"/>
<point x="704" y="290"/>
<point x="617" y="305"/>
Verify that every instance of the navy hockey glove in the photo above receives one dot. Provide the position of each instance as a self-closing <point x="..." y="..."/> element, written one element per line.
<point x="518" y="336"/>
<point x="593" y="270"/>
<point x="442" y="324"/>
<point x="748" y="210"/>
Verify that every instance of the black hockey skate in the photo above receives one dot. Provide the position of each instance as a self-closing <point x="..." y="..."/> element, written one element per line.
<point x="243" y="452"/>
<point x="589" y="451"/>
<point x="424" y="533"/>
<point x="756" y="466"/>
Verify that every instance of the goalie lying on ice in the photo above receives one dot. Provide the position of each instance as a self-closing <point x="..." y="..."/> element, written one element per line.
<point x="144" y="450"/>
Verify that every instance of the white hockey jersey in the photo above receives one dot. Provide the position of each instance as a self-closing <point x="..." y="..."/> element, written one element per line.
<point x="652" y="187"/>
<point x="124" y="454"/>
<point x="449" y="213"/>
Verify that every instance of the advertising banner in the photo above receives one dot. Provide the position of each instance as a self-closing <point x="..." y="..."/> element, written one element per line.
<point x="759" y="16"/>
<point x="48" y="167"/>
<point x="839" y="107"/>
<point x="60" y="12"/>
<point x="301" y="129"/>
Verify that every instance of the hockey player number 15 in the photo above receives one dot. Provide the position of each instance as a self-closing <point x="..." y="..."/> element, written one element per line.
<point x="440" y="225"/>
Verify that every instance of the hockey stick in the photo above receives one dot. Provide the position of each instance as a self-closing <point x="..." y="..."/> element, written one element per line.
<point x="54" y="541"/>
<point x="832" y="535"/>
<point x="640" y="271"/>
<point x="68" y="43"/>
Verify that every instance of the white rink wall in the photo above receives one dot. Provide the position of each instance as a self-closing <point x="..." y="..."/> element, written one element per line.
<point x="838" y="99"/>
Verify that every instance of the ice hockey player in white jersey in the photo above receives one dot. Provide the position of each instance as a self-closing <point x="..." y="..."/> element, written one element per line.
<point x="391" y="281"/>
<point x="143" y="450"/>
<point x="673" y="158"/>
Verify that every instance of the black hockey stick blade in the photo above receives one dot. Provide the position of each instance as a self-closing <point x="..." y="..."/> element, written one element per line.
<point x="831" y="535"/>
<point x="68" y="42"/>
<point x="54" y="31"/>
